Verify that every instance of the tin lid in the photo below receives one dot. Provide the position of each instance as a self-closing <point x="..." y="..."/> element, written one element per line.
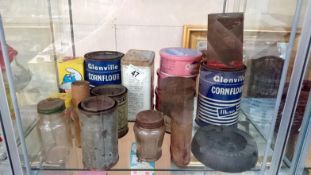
<point x="97" y="104"/>
<point x="50" y="106"/>
<point x="109" y="90"/>
<point x="150" y="119"/>
<point x="139" y="57"/>
<point x="180" y="53"/>
<point x="104" y="55"/>
<point x="205" y="67"/>
<point x="225" y="37"/>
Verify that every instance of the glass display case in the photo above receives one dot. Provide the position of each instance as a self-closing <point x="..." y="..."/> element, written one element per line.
<point x="244" y="69"/>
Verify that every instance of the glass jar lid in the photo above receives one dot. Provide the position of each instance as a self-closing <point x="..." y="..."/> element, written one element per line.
<point x="150" y="119"/>
<point x="50" y="106"/>
<point x="97" y="103"/>
<point x="109" y="90"/>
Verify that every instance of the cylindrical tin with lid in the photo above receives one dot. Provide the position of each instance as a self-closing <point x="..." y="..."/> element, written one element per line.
<point x="137" y="73"/>
<point x="180" y="61"/>
<point x="53" y="131"/>
<point x="220" y="92"/>
<point x="149" y="133"/>
<point x="99" y="132"/>
<point x="79" y="91"/>
<point x="118" y="93"/>
<point x="103" y="67"/>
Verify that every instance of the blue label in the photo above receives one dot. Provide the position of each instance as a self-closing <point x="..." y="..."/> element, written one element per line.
<point x="219" y="96"/>
<point x="223" y="86"/>
<point x="102" y="72"/>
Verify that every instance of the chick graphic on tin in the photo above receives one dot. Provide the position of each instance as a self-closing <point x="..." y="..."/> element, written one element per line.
<point x="72" y="75"/>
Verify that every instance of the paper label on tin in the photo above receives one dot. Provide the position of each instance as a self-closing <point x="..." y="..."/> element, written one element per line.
<point x="136" y="72"/>
<point x="140" y="165"/>
<point x="139" y="89"/>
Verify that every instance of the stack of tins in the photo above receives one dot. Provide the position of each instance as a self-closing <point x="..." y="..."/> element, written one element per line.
<point x="179" y="68"/>
<point x="222" y="74"/>
<point x="175" y="63"/>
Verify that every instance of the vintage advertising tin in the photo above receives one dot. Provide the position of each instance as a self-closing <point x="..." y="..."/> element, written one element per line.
<point x="180" y="61"/>
<point x="137" y="77"/>
<point x="163" y="75"/>
<point x="220" y="92"/>
<point x="118" y="93"/>
<point x="103" y="67"/>
<point x="69" y="70"/>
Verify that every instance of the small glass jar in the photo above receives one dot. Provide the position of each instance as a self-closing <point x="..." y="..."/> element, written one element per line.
<point x="99" y="132"/>
<point x="53" y="131"/>
<point x="149" y="132"/>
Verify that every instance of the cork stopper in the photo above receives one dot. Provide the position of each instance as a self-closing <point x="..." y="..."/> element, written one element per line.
<point x="150" y="119"/>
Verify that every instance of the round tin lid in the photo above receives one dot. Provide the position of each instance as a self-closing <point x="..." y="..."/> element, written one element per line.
<point x="50" y="106"/>
<point x="97" y="104"/>
<point x="103" y="55"/>
<point x="180" y="53"/>
<point x="150" y="119"/>
<point x="225" y="149"/>
<point x="205" y="67"/>
<point x="109" y="90"/>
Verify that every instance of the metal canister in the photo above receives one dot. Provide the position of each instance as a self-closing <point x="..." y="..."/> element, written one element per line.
<point x="103" y="67"/>
<point x="220" y="92"/>
<point x="99" y="132"/>
<point x="118" y="93"/>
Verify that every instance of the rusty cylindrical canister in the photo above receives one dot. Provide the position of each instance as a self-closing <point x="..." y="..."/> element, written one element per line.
<point x="99" y="132"/>
<point x="79" y="91"/>
<point x="118" y="93"/>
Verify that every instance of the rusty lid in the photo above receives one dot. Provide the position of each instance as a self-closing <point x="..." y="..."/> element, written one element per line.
<point x="50" y="106"/>
<point x="104" y="55"/>
<point x="138" y="57"/>
<point x="109" y="90"/>
<point x="150" y="119"/>
<point x="97" y="104"/>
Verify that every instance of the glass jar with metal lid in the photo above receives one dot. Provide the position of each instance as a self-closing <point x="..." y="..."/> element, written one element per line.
<point x="99" y="132"/>
<point x="149" y="132"/>
<point x="53" y="131"/>
<point x="118" y="93"/>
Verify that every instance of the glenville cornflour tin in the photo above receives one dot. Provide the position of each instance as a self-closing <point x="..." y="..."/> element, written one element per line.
<point x="220" y="92"/>
<point x="103" y="67"/>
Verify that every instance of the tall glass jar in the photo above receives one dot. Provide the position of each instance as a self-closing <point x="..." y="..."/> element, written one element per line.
<point x="53" y="131"/>
<point x="149" y="132"/>
<point x="99" y="132"/>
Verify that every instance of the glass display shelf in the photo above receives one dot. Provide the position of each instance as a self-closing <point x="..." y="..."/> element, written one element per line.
<point x="74" y="160"/>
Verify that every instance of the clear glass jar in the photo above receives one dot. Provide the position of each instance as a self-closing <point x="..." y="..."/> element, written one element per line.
<point x="99" y="132"/>
<point x="149" y="132"/>
<point x="53" y="131"/>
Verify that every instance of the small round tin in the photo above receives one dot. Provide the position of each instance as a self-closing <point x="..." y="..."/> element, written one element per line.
<point x="220" y="92"/>
<point x="180" y="61"/>
<point x="118" y="93"/>
<point x="103" y="67"/>
<point x="163" y="75"/>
